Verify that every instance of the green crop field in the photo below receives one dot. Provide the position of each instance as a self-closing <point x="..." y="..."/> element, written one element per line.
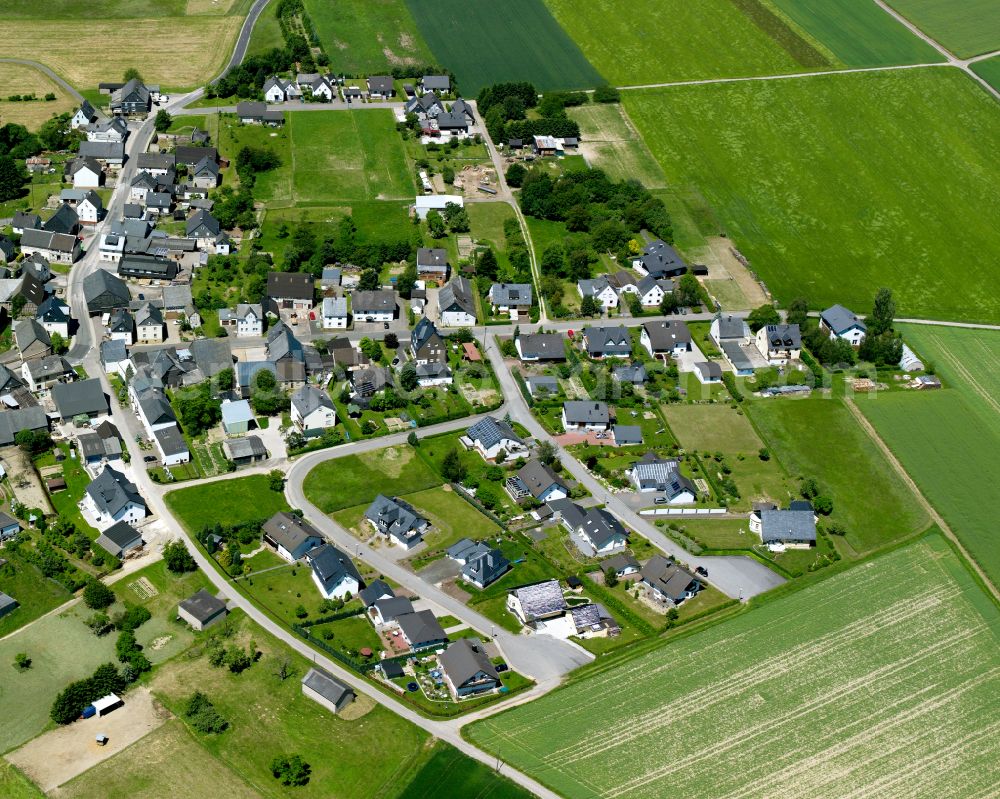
<point x="847" y="694"/>
<point x="820" y="438"/>
<point x="343" y="156"/>
<point x="965" y="27"/>
<point x="681" y="40"/>
<point x="448" y="769"/>
<point x="989" y="70"/>
<point x="948" y="440"/>
<point x="611" y="142"/>
<point x="231" y="501"/>
<point x="483" y="44"/>
<point x="836" y="185"/>
<point x="357" y="479"/>
<point x="859" y="34"/>
<point x="123" y="9"/>
<point x="368" y="36"/>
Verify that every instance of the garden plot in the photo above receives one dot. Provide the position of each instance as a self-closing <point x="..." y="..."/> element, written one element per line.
<point x="881" y="681"/>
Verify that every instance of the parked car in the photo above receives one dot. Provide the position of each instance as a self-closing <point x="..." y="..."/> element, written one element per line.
<point x="702" y="571"/>
<point x="149" y="459"/>
<point x="659" y="500"/>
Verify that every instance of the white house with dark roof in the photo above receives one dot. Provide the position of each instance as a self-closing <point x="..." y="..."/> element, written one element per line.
<point x="434" y="374"/>
<point x="537" y="602"/>
<point x="491" y="436"/>
<point x="841" y="322"/>
<point x="312" y="411"/>
<point x="467" y="669"/>
<point x="652" y="474"/>
<point x="607" y="342"/>
<point x="708" y="372"/>
<point x="600" y="289"/>
<point x="669" y="583"/>
<point x="247" y="320"/>
<point x="290" y="536"/>
<point x="381" y="87"/>
<point x="600" y="533"/>
<point x="396" y="520"/>
<point x="432" y="264"/>
<point x="512" y="299"/>
<point x="658" y="259"/>
<point x="665" y="339"/>
<point x="536" y="480"/>
<point x="793" y="527"/>
<point x="334" y="313"/>
<point x="374" y="306"/>
<point x="111" y="498"/>
<point x="456" y="303"/>
<point x="541" y="347"/>
<point x="779" y="343"/>
<point x="585" y="415"/>
<point x="333" y="572"/>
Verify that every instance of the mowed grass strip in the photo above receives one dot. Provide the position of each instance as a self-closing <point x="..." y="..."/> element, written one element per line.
<point x="14" y="785"/>
<point x="819" y="438"/>
<point x="225" y="501"/>
<point x="368" y="36"/>
<point x="966" y="28"/>
<point x="20" y="79"/>
<point x="860" y="670"/>
<point x="859" y="34"/>
<point x="483" y="44"/>
<point x="836" y="185"/>
<point x="91" y="50"/>
<point x="609" y="141"/>
<point x="357" y="479"/>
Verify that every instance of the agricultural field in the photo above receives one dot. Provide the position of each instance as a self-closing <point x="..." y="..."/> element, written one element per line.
<point x="236" y="500"/>
<point x="989" y="70"/>
<point x="125" y="9"/>
<point x="19" y="79"/>
<point x="863" y="688"/>
<point x="483" y="45"/>
<point x="819" y="438"/>
<point x="365" y="37"/>
<point x="858" y="34"/>
<point x="869" y="183"/>
<point x="967" y="28"/>
<point x="609" y="141"/>
<point x="14" y="785"/>
<point x="344" y="156"/>
<point x="948" y="440"/>
<point x="679" y="40"/>
<point x="461" y="775"/>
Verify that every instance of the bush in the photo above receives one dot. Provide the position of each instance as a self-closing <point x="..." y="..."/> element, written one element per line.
<point x="133" y="618"/>
<point x="606" y="94"/>
<point x="97" y="596"/>
<point x="22" y="662"/>
<point x="292" y="771"/>
<point x="177" y="558"/>
<point x="202" y="714"/>
<point x="823" y="505"/>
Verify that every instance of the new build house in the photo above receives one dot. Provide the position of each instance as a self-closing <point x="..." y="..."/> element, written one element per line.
<point x="290" y="536"/>
<point x="585" y="415"/>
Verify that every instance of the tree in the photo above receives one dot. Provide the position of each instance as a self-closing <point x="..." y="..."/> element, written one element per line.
<point x="634" y="304"/>
<point x="611" y="578"/>
<point x="132" y="74"/>
<point x="177" y="557"/>
<point x="34" y="442"/>
<point x="668" y="304"/>
<point x="276" y="480"/>
<point x="554" y="260"/>
<point x="162" y="121"/>
<point x="408" y="376"/>
<point x="391" y="340"/>
<point x="435" y="225"/>
<point x="547" y="452"/>
<point x="762" y="317"/>
<point x="97" y="596"/>
<point x="809" y="488"/>
<point x="371" y="349"/>
<point x="883" y="313"/>
<point x="237" y="660"/>
<point x="486" y="264"/>
<point x="22" y="662"/>
<point x="59" y="344"/>
<point x="283" y="669"/>
<point x="462" y="336"/>
<point x="369" y="279"/>
<point x="452" y="467"/>
<point x="292" y="771"/>
<point x="823" y="505"/>
<point x="589" y="306"/>
<point x="11" y="179"/>
<point x="606" y="94"/>
<point x="412" y="439"/>
<point x="225" y="380"/>
<point x="448" y="175"/>
<point x="515" y="175"/>
<point x="798" y="312"/>
<point x="202" y="715"/>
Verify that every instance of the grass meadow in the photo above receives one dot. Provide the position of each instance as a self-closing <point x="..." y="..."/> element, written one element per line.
<point x="611" y="142"/>
<point x="989" y="70"/>
<point x="846" y="693"/>
<point x="36" y="594"/>
<point x="236" y="500"/>
<point x="837" y="185"/>
<point x="20" y="79"/>
<point x="485" y="44"/>
<point x="967" y="28"/>
<point x="14" y="785"/>
<point x="368" y="36"/>
<point x="948" y="440"/>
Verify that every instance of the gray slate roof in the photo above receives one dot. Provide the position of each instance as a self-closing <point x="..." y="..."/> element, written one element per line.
<point x="781" y="337"/>
<point x="660" y="259"/>
<point x="586" y="412"/>
<point x="540" y="599"/>
<point x="81" y="397"/>
<point x="511" y="295"/>
<point x="608" y="341"/>
<point x="457" y="296"/>
<point x="732" y="327"/>
<point x="331" y="565"/>
<point x="326" y="686"/>
<point x="465" y="660"/>
<point x="308" y="398"/>
<point x="666" y="335"/>
<point x="203" y="606"/>
<point x="486" y="568"/>
<point x="490" y="431"/>
<point x="289" y="530"/>
<point x="544" y="346"/>
<point x="840" y="319"/>
<point x="421" y="628"/>
<point x="787" y="525"/>
<point x="111" y="491"/>
<point x="537" y="477"/>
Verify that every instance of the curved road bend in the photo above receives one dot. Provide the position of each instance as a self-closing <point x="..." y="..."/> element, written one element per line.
<point x="48" y="72"/>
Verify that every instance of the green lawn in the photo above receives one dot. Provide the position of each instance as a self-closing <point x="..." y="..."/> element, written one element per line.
<point x="35" y="593"/>
<point x="358" y="479"/>
<point x="376" y="220"/>
<point x="225" y="501"/>
<point x="364" y="37"/>
<point x="275" y="185"/>
<point x="860" y="685"/>
<point x="820" y="438"/>
<point x="614" y="145"/>
<point x="989" y="70"/>
<point x="486" y="222"/>
<point x="282" y="589"/>
<point x="966" y="28"/>
<point x="14" y="785"/>
<point x="482" y="46"/>
<point x="451" y="517"/>
<point x="266" y="32"/>
<point x="343" y="156"/>
<point x="868" y="183"/>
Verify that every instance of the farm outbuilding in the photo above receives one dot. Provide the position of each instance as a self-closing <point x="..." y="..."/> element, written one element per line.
<point x="330" y="693"/>
<point x="107" y="704"/>
<point x="202" y="610"/>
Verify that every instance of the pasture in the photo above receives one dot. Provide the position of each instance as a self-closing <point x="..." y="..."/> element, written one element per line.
<point x="483" y="44"/>
<point x="818" y="437"/>
<point x="237" y="500"/>
<point x="368" y="36"/>
<point x="989" y="70"/>
<point x="966" y="28"/>
<point x="609" y="141"/>
<point x="343" y="156"/>
<point x="846" y="694"/>
<point x="858" y="34"/>
<point x="19" y="79"/>
<point x="680" y="40"/>
<point x="833" y="186"/>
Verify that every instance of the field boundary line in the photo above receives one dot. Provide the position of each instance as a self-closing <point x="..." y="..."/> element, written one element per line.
<point x="928" y="507"/>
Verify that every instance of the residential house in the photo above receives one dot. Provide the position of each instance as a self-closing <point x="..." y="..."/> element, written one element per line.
<point x="840" y="322"/>
<point x="669" y="582"/>
<point x="205" y="228"/>
<point x="244" y="451"/>
<point x="319" y="87"/>
<point x="31" y="339"/>
<point x="634" y="374"/>
<point x="708" y="372"/>
<point x="653" y="474"/>
<point x="106" y="153"/>
<point x="254" y="113"/>
<point x="537" y="602"/>
<point x="651" y="291"/>
<point x="421" y="630"/>
<point x="236" y="417"/>
<point x="622" y="564"/>
<point x="729" y="330"/>
<point x="41" y="374"/>
<point x="792" y="527"/>
<point x="274" y="89"/>
<point x="324" y="689"/>
<point x="427" y="106"/>
<point x="9" y="527"/>
<point x="396" y="520"/>
<point x="426" y="344"/>
<point x="60" y="248"/>
<point x="538" y="481"/>
<point x="381" y="87"/>
<point x="334" y="313"/>
<point x="434" y="374"/>
<point x="132" y="98"/>
<point x="625" y="435"/>
<point x="607" y="342"/>
<point x="779" y="343"/>
<point x="512" y="299"/>
<point x="53" y="315"/>
<point x="334" y="573"/>
<point x="149" y="324"/>
<point x="246" y="321"/>
<point x="658" y="260"/>
<point x="90" y="208"/>
<point x="491" y="436"/>
<point x="331" y="277"/>
<point x="147" y="267"/>
<point x="204" y="174"/>
<point x="435" y="83"/>
<point x="287" y="354"/>
<point x="585" y="415"/>
<point x="120" y="540"/>
<point x="83" y="116"/>
<point x="456" y="303"/>
<point x="291" y="536"/>
<point x="467" y="669"/>
<point x="541" y="347"/>
<point x="23" y="220"/>
<point x="665" y="339"/>
<point x="85" y="172"/>
<point x="202" y="610"/>
<point x="432" y="264"/>
<point x="386" y="610"/>
<point x="374" y="306"/>
<point x="373" y="592"/>
<point x="121" y="326"/>
<point x="156" y="164"/>
<point x="312" y="411"/>
<point x="83" y="398"/>
<point x="111" y="498"/>
<point x="114" y="358"/>
<point x="107" y="130"/>
<point x="600" y="289"/>
<point x="542" y="386"/>
<point x="600" y="533"/>
<point x="485" y="568"/>
<point x="369" y="381"/>
<point x="290" y="290"/>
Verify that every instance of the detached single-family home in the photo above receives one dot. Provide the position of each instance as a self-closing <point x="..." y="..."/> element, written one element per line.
<point x="254" y="113"/>
<point x="467" y="670"/>
<point x="793" y="527"/>
<point x="85" y="172"/>
<point x="290" y="536"/>
<point x="83" y="116"/>
<point x="669" y="583"/>
<point x="374" y="591"/>
<point x="111" y="498"/>
<point x="202" y="610"/>
<point x="114" y="130"/>
<point x="537" y="602"/>
<point x="633" y="373"/>
<point x="435" y="83"/>
<point x="432" y="264"/>
<point x="41" y="374"/>
<point x="120" y="539"/>
<point x="149" y="325"/>
<point x="121" y="326"/>
<point x="659" y="260"/>
<point x="607" y="342"/>
<point x="600" y="289"/>
<point x="327" y="691"/>
<point x="651" y="291"/>
<point x="290" y="290"/>
<point x="622" y="565"/>
<point x="9" y="526"/>
<point x="334" y="573"/>
<point x="512" y="299"/>
<point x="319" y="87"/>
<point x="456" y="304"/>
<point x="421" y="630"/>
<point x="132" y="98"/>
<point x="381" y="87"/>
<point x="374" y="306"/>
<point x="840" y="322"/>
<point x="397" y="521"/>
<point x="537" y="480"/>
<point x="434" y="374"/>
<point x="274" y="89"/>
<point x="708" y="372"/>
<point x="542" y="386"/>
<point x="312" y="411"/>
<point x="369" y="381"/>
<point x="665" y="339"/>
<point x="23" y="220"/>
<point x="246" y="321"/>
<point x="385" y="610"/>
<point x="491" y="436"/>
<point x="485" y="568"/>
<point x="653" y="474"/>
<point x="204" y="174"/>
<point x="334" y="313"/>
<point x="426" y="344"/>
<point x="779" y="343"/>
<point x="541" y="347"/>
<point x="600" y="534"/>
<point x="585" y="415"/>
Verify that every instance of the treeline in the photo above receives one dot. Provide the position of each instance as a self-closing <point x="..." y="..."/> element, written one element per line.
<point x="291" y="14"/>
<point x="18" y="143"/>
<point x="246" y="80"/>
<point x="308" y="251"/>
<point x="504" y="107"/>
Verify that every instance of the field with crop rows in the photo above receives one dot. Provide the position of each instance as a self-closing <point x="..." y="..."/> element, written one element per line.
<point x="834" y="186"/>
<point x="989" y="70"/>
<point x="948" y="440"/>
<point x="967" y="27"/>
<point x="881" y="681"/>
<point x="484" y="43"/>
